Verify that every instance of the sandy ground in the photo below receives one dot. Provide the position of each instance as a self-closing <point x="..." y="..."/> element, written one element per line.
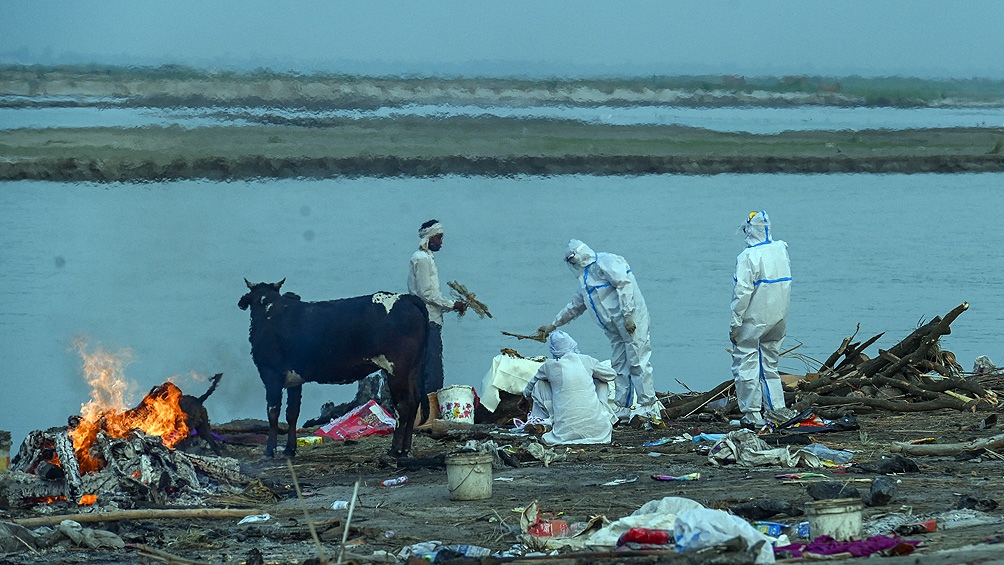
<point x="387" y="519"/>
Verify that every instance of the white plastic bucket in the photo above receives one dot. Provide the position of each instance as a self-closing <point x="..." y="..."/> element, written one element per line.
<point x="469" y="476"/>
<point x="456" y="403"/>
<point x="839" y="518"/>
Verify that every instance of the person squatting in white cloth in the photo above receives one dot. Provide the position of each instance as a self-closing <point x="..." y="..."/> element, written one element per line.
<point x="609" y="291"/>
<point x="571" y="390"/>
<point x="760" y="299"/>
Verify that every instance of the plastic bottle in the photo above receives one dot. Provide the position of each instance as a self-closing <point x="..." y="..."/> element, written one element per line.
<point x="394" y="482"/>
<point x="644" y="535"/>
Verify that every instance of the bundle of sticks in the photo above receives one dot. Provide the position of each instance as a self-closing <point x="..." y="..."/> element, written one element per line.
<point x="461" y="293"/>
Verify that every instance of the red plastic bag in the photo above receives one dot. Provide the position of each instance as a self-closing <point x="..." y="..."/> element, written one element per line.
<point x="644" y="535"/>
<point x="366" y="420"/>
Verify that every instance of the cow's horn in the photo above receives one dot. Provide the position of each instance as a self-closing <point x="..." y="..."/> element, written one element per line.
<point x="247" y="282"/>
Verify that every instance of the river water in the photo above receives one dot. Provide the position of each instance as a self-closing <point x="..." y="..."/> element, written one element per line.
<point x="759" y="120"/>
<point x="158" y="268"/>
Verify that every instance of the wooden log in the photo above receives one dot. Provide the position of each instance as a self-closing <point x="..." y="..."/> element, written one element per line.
<point x="928" y="333"/>
<point x="677" y="410"/>
<point x="994" y="442"/>
<point x="944" y="401"/>
<point x="143" y="514"/>
<point x="835" y="356"/>
<point x="68" y="461"/>
<point x="855" y="356"/>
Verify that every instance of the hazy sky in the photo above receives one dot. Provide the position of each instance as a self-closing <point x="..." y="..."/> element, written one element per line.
<point x="928" y="38"/>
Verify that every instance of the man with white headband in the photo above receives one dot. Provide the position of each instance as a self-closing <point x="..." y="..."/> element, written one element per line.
<point x="610" y="293"/>
<point x="423" y="281"/>
<point x="570" y="393"/>
<point x="760" y="298"/>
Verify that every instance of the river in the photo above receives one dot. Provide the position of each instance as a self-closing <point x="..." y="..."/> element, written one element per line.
<point x="158" y="268"/>
<point x="760" y="120"/>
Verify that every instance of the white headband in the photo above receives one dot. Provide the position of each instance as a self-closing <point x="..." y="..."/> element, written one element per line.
<point x="426" y="234"/>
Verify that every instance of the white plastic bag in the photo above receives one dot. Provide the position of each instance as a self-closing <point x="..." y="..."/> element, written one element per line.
<point x="701" y="527"/>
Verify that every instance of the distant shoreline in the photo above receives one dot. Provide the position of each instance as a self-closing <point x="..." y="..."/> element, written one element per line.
<point x="416" y="146"/>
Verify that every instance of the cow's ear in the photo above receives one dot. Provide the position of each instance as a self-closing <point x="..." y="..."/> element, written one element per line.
<point x="247" y="282"/>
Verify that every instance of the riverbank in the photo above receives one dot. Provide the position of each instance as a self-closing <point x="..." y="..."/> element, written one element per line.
<point x="574" y="485"/>
<point x="426" y="147"/>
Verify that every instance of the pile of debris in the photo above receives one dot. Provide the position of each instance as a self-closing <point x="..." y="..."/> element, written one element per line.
<point x="915" y="375"/>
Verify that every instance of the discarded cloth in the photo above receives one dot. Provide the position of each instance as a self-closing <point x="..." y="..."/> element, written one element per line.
<point x="743" y="447"/>
<point x="826" y="545"/>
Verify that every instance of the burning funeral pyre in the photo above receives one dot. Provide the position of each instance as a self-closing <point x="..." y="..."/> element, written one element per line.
<point x="112" y="455"/>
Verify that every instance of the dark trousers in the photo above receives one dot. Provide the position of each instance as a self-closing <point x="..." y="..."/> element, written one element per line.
<point x="432" y="368"/>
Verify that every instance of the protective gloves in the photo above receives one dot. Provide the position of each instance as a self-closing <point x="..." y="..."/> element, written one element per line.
<point x="629" y="324"/>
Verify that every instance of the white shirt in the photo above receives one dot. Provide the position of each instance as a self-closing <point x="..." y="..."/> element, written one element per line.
<point x="423" y="281"/>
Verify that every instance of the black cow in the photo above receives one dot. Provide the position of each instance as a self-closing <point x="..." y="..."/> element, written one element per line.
<point x="336" y="342"/>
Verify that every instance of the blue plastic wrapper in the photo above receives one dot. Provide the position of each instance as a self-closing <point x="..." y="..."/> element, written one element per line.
<point x="772" y="529"/>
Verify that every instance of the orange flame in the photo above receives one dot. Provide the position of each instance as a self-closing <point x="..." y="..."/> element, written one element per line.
<point x="159" y="413"/>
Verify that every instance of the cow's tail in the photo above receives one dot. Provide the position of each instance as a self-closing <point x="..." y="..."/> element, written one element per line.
<point x="216" y="381"/>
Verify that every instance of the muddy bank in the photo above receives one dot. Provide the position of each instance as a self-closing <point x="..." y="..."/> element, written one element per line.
<point x="582" y="482"/>
<point x="425" y="147"/>
<point x="259" y="167"/>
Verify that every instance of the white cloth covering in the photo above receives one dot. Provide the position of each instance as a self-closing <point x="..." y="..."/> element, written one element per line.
<point x="609" y="291"/>
<point x="760" y="300"/>
<point x="572" y="392"/>
<point x="509" y="374"/>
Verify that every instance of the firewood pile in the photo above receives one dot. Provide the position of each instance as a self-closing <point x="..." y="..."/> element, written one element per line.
<point x="915" y="375"/>
<point x="138" y="469"/>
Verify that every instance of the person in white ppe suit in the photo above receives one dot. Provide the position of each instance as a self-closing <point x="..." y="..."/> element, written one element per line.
<point x="423" y="281"/>
<point x="760" y="299"/>
<point x="609" y="291"/>
<point x="570" y="390"/>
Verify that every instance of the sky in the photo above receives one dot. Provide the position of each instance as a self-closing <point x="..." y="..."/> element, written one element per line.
<point x="531" y="38"/>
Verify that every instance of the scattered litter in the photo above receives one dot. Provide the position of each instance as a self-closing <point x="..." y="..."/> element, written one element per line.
<point x="395" y="482"/>
<point x="505" y="479"/>
<point x="838" y="456"/>
<point x="882" y="492"/>
<point x="763" y="509"/>
<point x="913" y="528"/>
<point x="687" y="477"/>
<point x="543" y="454"/>
<point x="255" y="518"/>
<point x="366" y="420"/>
<point x="799" y="476"/>
<point x="619" y="482"/>
<point x="309" y="441"/>
<point x="645" y="536"/>
<point x="772" y="529"/>
<point x="702" y="527"/>
<point x="340" y="505"/>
